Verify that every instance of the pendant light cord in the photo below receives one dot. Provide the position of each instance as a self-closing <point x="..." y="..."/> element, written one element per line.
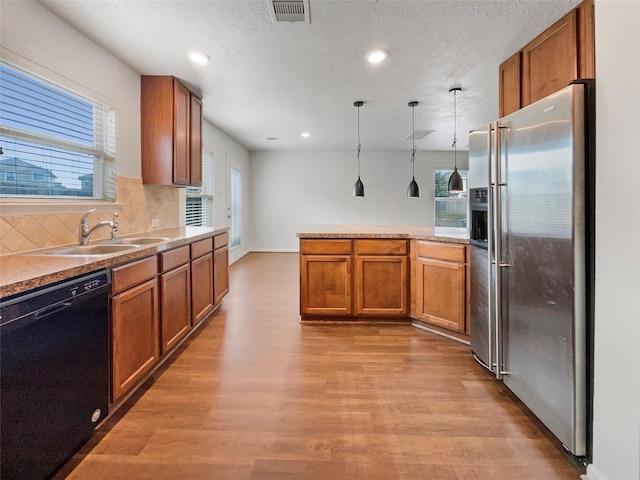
<point x="455" y="124"/>
<point x="413" y="138"/>
<point x="359" y="145"/>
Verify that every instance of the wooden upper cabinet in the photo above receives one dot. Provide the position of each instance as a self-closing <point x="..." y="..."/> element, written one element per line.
<point x="550" y="61"/>
<point x="171" y="126"/>
<point x="586" y="40"/>
<point x="195" y="143"/>
<point x="563" y="52"/>
<point x="510" y="81"/>
<point x="181" y="134"/>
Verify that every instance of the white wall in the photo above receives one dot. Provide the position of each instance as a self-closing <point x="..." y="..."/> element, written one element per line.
<point x="616" y="446"/>
<point x="223" y="147"/>
<point x="293" y="188"/>
<point x="31" y="31"/>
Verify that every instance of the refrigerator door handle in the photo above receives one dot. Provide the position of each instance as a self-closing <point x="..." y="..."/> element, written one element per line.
<point x="497" y="219"/>
<point x="490" y="248"/>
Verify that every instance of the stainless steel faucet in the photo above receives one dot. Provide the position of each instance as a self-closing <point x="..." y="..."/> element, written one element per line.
<point x="86" y="232"/>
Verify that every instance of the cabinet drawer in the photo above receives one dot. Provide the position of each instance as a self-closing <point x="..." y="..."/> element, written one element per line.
<point x="381" y="247"/>
<point x="321" y="247"/>
<point x="134" y="273"/>
<point x="201" y="247"/>
<point x="441" y="251"/>
<point x="174" y="258"/>
<point x="220" y="240"/>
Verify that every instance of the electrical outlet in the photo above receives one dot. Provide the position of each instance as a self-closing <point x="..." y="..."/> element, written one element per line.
<point x="155" y="222"/>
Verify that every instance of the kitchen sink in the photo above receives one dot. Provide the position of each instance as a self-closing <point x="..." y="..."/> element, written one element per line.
<point x="139" y="240"/>
<point x="88" y="250"/>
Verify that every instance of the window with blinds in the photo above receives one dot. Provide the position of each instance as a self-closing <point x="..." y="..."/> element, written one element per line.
<point x="53" y="143"/>
<point x="199" y="204"/>
<point x="450" y="208"/>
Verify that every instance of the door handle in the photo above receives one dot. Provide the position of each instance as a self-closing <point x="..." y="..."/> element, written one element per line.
<point x="52" y="309"/>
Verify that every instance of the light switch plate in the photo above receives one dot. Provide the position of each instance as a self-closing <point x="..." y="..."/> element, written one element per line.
<point x="155" y="222"/>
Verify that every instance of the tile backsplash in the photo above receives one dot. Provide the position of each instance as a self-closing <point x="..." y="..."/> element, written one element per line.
<point x="141" y="203"/>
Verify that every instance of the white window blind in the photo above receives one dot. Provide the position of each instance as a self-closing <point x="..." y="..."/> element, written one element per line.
<point x="199" y="204"/>
<point x="55" y="143"/>
<point x="450" y="208"/>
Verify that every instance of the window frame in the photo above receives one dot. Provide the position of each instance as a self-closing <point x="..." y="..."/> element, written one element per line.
<point x="460" y="198"/>
<point x="205" y="192"/>
<point x="18" y="206"/>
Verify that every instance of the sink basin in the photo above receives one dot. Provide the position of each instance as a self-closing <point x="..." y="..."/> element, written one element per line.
<point x="140" y="240"/>
<point x="86" y="250"/>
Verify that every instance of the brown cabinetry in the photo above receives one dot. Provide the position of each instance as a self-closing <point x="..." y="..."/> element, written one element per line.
<point x="441" y="285"/>
<point x="175" y="297"/>
<point x="563" y="52"/>
<point x="220" y="267"/>
<point x="325" y="277"/>
<point x="134" y="324"/>
<point x="171" y="125"/>
<point x="202" y="300"/>
<point x="381" y="277"/>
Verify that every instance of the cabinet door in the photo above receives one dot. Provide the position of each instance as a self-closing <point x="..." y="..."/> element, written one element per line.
<point x="175" y="303"/>
<point x="510" y="80"/>
<point x="325" y="284"/>
<point x="550" y="61"/>
<point x="441" y="293"/>
<point x="220" y="274"/>
<point x="201" y="287"/>
<point x="181" y="128"/>
<point x="195" y="145"/>
<point x="134" y="330"/>
<point x="586" y="40"/>
<point x="381" y="285"/>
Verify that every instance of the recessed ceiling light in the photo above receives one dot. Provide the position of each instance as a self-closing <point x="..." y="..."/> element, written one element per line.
<point x="377" y="56"/>
<point x="198" y="57"/>
<point x="305" y="134"/>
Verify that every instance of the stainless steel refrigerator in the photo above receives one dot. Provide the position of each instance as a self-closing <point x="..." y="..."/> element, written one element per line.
<point x="531" y="179"/>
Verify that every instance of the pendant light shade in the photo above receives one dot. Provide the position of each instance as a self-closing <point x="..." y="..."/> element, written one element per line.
<point x="413" y="191"/>
<point x="358" y="187"/>
<point x="455" y="180"/>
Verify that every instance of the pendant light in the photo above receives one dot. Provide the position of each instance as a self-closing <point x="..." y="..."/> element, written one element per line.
<point x="413" y="191"/>
<point x="455" y="180"/>
<point x="358" y="187"/>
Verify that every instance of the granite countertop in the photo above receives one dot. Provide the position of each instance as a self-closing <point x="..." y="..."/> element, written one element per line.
<point x="381" y="231"/>
<point x="23" y="271"/>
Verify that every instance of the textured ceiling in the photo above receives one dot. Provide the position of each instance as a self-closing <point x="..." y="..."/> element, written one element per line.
<point x="277" y="80"/>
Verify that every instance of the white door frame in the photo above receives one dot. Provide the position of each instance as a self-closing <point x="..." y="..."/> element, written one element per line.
<point x="233" y="163"/>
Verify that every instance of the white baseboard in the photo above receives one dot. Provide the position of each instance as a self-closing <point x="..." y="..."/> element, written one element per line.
<point x="593" y="473"/>
<point x="274" y="250"/>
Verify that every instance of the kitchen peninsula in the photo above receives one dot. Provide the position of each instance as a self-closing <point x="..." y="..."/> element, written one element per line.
<point x="385" y="275"/>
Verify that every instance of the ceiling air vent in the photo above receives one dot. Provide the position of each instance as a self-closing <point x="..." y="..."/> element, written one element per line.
<point x="420" y="134"/>
<point x="290" y="11"/>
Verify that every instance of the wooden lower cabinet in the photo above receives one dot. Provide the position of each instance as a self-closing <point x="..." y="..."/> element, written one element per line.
<point x="220" y="274"/>
<point x="134" y="324"/>
<point x="441" y="285"/>
<point x="441" y="295"/>
<point x="325" y="285"/>
<point x="202" y="300"/>
<point x="175" y="295"/>
<point x="381" y="285"/>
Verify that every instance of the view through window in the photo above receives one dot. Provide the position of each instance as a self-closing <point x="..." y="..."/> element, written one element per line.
<point x="450" y="208"/>
<point x="54" y="143"/>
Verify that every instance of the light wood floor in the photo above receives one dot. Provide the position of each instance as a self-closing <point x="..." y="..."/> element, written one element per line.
<point x="254" y="395"/>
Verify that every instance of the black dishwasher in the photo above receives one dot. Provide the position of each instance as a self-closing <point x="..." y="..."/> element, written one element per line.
<point x="54" y="373"/>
